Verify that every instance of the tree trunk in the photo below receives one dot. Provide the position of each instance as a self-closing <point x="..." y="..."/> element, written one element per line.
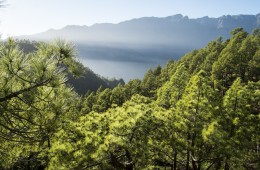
<point x="199" y="165"/>
<point x="194" y="166"/>
<point x="188" y="160"/>
<point x="193" y="162"/>
<point x="130" y="165"/>
<point x="115" y="163"/>
<point x="29" y="160"/>
<point x="49" y="143"/>
<point x="188" y="152"/>
<point x="226" y="165"/>
<point x="175" y="161"/>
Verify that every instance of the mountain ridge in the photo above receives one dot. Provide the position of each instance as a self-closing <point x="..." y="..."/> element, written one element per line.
<point x="175" y="17"/>
<point x="170" y="30"/>
<point x="151" y="40"/>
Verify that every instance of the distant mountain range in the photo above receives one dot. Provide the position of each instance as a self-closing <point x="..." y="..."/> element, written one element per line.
<point x="149" y="39"/>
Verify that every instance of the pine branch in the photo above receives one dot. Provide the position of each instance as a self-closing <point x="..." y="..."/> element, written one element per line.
<point x="15" y="94"/>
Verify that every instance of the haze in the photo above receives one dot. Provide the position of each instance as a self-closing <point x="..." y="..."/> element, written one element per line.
<point x="34" y="16"/>
<point x="143" y="33"/>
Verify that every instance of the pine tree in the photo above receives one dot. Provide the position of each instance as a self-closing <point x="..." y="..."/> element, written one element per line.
<point x="171" y="91"/>
<point x="33" y="97"/>
<point x="195" y="111"/>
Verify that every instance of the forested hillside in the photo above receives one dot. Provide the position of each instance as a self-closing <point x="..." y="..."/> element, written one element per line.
<point x="200" y="112"/>
<point x="87" y="81"/>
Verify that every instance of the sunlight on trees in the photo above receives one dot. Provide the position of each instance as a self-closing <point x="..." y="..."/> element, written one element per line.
<point x="201" y="112"/>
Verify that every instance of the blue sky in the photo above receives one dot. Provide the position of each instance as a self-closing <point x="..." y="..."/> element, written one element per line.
<point x="21" y="17"/>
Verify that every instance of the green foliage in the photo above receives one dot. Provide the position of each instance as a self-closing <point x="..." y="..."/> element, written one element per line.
<point x="88" y="102"/>
<point x="151" y="82"/>
<point x="33" y="97"/>
<point x="233" y="60"/>
<point x="117" y="97"/>
<point x="131" y="88"/>
<point x="103" y="101"/>
<point x="171" y="91"/>
<point x="201" y="112"/>
<point x="241" y="125"/>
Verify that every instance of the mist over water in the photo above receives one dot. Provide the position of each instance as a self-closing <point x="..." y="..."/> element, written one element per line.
<point x="118" y="69"/>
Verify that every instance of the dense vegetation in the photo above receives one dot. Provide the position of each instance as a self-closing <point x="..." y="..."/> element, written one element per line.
<point x="201" y="112"/>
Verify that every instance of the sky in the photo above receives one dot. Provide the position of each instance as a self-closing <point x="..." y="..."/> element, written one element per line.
<point x="23" y="17"/>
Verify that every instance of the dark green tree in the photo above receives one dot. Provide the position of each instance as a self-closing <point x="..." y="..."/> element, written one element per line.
<point x="103" y="101"/>
<point x="117" y="97"/>
<point x="169" y="94"/>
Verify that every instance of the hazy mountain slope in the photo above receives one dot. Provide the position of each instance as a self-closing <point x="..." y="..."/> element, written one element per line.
<point x="89" y="81"/>
<point x="138" y="37"/>
<point x="148" y="40"/>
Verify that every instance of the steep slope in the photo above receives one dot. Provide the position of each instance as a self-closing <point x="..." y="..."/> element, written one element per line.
<point x="200" y="112"/>
<point x="89" y="81"/>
